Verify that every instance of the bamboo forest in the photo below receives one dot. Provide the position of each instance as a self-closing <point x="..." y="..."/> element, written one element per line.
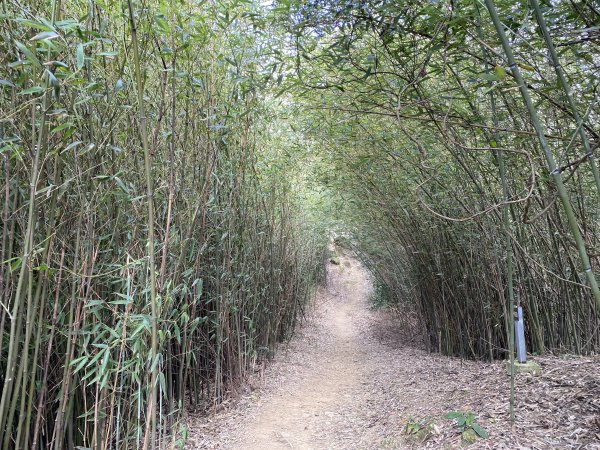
<point x="286" y="224"/>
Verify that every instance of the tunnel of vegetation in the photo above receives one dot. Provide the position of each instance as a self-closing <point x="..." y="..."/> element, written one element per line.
<point x="463" y="155"/>
<point x="170" y="168"/>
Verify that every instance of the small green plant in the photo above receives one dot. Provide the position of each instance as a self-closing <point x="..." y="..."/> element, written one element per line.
<point x="182" y="438"/>
<point x="419" y="431"/>
<point x="465" y="421"/>
<point x="412" y="427"/>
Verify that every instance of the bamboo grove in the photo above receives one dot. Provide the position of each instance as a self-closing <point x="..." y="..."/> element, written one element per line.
<point x="459" y="141"/>
<point x="170" y="169"/>
<point x="148" y="260"/>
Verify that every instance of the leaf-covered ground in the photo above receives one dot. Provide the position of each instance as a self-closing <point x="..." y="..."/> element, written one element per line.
<point x="352" y="380"/>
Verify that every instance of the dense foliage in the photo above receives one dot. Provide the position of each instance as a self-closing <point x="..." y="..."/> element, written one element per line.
<point x="92" y="327"/>
<point x="169" y="169"/>
<point x="465" y="174"/>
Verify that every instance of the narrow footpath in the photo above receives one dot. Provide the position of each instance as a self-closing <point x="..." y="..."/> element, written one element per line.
<point x="328" y="405"/>
<point x="351" y="380"/>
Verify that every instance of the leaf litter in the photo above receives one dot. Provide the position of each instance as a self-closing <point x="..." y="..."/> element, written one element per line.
<point x="355" y="378"/>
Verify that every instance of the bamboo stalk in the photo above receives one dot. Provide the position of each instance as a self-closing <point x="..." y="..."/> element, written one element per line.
<point x="150" y="432"/>
<point x="24" y="273"/>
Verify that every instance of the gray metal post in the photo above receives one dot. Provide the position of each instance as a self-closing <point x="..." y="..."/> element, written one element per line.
<point x="520" y="336"/>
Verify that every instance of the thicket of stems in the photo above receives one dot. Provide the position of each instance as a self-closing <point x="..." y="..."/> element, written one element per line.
<point x="169" y="170"/>
<point x="450" y="145"/>
<point x="125" y="134"/>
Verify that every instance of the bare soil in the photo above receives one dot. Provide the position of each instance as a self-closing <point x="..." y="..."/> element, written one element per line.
<point x="352" y="379"/>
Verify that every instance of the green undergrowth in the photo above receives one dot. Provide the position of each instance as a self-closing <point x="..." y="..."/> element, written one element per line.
<point x="418" y="431"/>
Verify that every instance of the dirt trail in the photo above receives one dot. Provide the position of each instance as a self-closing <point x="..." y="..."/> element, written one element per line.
<point x="353" y="379"/>
<point x="311" y="412"/>
<point x="322" y="391"/>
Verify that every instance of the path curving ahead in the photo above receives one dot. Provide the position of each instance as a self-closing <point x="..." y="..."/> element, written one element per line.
<point x="324" y="406"/>
<point x="329" y="389"/>
<point x="352" y="379"/>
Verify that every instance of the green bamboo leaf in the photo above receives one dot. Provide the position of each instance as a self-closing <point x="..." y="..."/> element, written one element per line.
<point x="138" y="329"/>
<point x="122" y="185"/>
<point x="107" y="54"/>
<point x="481" y="432"/>
<point x="95" y="379"/>
<point x="488" y="77"/>
<point x="18" y="63"/>
<point x="104" y="363"/>
<point x="120" y="302"/>
<point x="80" y="56"/>
<point x="92" y="303"/>
<point x="45" y="35"/>
<point x="79" y="363"/>
<point x="29" y="55"/>
<point x="125" y="299"/>
<point x="155" y="362"/>
<point x="33" y="24"/>
<point x="67" y="25"/>
<point x="526" y="67"/>
<point x="489" y="89"/>
<point x="56" y="64"/>
<point x="52" y="79"/>
<point x="72" y="145"/>
<point x="162" y="381"/>
<point x="88" y="148"/>
<point x="32" y="90"/>
<point x="177" y="333"/>
<point x="200" y="283"/>
<point x="62" y="126"/>
<point x="15" y="263"/>
<point x="93" y="362"/>
<point x="162" y="24"/>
